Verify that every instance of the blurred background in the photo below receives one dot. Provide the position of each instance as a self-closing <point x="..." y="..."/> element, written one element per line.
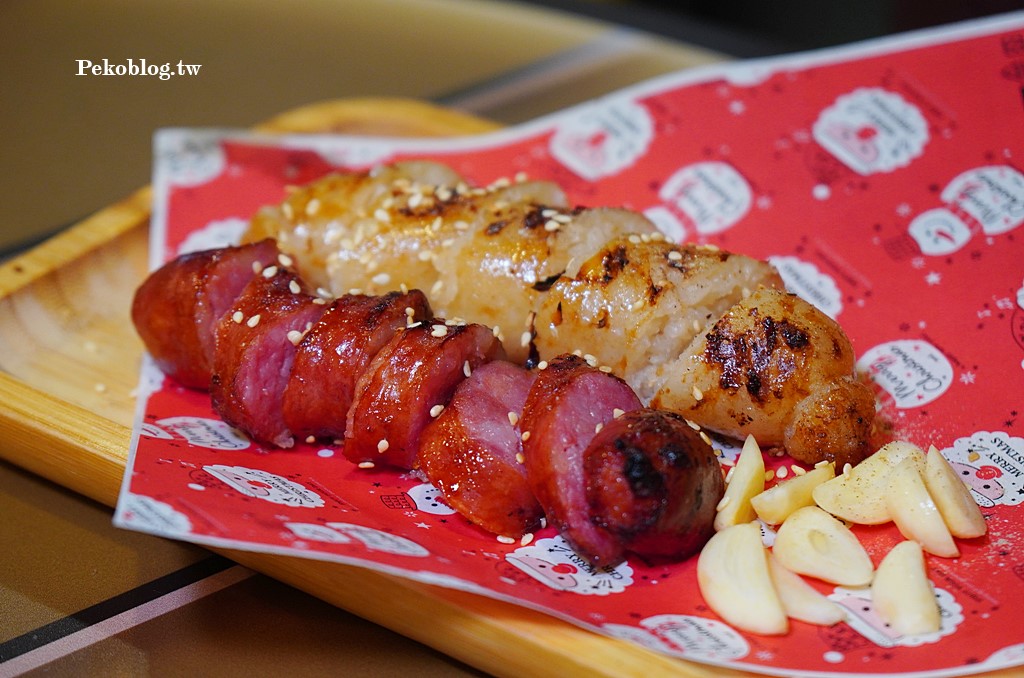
<point x="73" y="144"/>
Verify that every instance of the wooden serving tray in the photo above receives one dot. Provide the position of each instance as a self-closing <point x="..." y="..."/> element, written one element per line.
<point x="69" y="364"/>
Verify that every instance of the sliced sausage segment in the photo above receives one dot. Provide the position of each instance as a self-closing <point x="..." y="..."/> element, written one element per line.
<point x="409" y="382"/>
<point x="653" y="483"/>
<point x="473" y="451"/>
<point x="256" y="341"/>
<point x="566" y="405"/>
<point x="177" y="307"/>
<point x="335" y="352"/>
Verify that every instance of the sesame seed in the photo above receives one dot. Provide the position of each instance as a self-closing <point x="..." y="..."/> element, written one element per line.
<point x="295" y="337"/>
<point x="496" y="331"/>
<point x="548" y="213"/>
<point x="798" y="470"/>
<point x="607" y="369"/>
<point x="525" y="436"/>
<point x="591" y="360"/>
<point x="821" y="463"/>
<point x="382" y="215"/>
<point x="616" y="413"/>
<point x="383" y="445"/>
<point x="782" y="472"/>
<point x="551" y="225"/>
<point x="436" y="410"/>
<point x="847" y="467"/>
<point x="467" y="369"/>
<point x="311" y="439"/>
<point x="635" y="239"/>
<point x="461" y="225"/>
<point x="415" y="199"/>
<point x="526" y="539"/>
<point x="524" y="340"/>
<point x="520" y="458"/>
<point x="100" y="388"/>
<point x="513" y="418"/>
<point x="729" y="473"/>
<point x="704" y="436"/>
<point x="425" y="255"/>
<point x="768" y="475"/>
<point x="381" y="279"/>
<point x="723" y="503"/>
<point x="238" y="317"/>
<point x="312" y="207"/>
<point x="323" y="292"/>
<point x="409" y="311"/>
<point x="284" y="259"/>
<point x="675" y="255"/>
<point x="257" y="267"/>
<point x="692" y="424"/>
<point x="409" y="326"/>
<point x="698" y="395"/>
<point x="443" y="193"/>
<point x="366" y="464"/>
<point x="438" y="330"/>
<point x="542" y="365"/>
<point x="294" y="287"/>
<point x="319" y="301"/>
<point x="562" y="218"/>
<point x="506" y="540"/>
<point x="253" y="321"/>
<point x="435" y="289"/>
<point x="598" y="427"/>
<point x="288" y="212"/>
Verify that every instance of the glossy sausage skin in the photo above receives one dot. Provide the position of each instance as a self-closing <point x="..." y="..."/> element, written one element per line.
<point x="255" y="352"/>
<point x="336" y="351"/>
<point x="565" y="407"/>
<point x="177" y="307"/>
<point x="472" y="452"/>
<point x="653" y="484"/>
<point x="414" y="373"/>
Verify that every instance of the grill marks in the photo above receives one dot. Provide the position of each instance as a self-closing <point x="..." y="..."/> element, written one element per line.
<point x="760" y="359"/>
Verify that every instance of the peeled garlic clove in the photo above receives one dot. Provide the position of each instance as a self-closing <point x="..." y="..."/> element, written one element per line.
<point x="732" y="573"/>
<point x="746" y="480"/>
<point x="775" y="504"/>
<point x="814" y="543"/>
<point x="800" y="600"/>
<point x="902" y="594"/>
<point x="915" y="513"/>
<point x="858" y="495"/>
<point x="952" y="497"/>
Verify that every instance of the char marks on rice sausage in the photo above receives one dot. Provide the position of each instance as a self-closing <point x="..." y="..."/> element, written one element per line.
<point x="177" y="307"/>
<point x="473" y="451"/>
<point x="335" y="352"/>
<point x="566" y="405"/>
<point x="654" y="484"/>
<point x="256" y="342"/>
<point x="408" y="382"/>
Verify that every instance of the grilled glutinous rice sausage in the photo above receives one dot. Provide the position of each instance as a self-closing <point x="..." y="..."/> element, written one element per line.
<point x="481" y="253"/>
<point x="598" y="282"/>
